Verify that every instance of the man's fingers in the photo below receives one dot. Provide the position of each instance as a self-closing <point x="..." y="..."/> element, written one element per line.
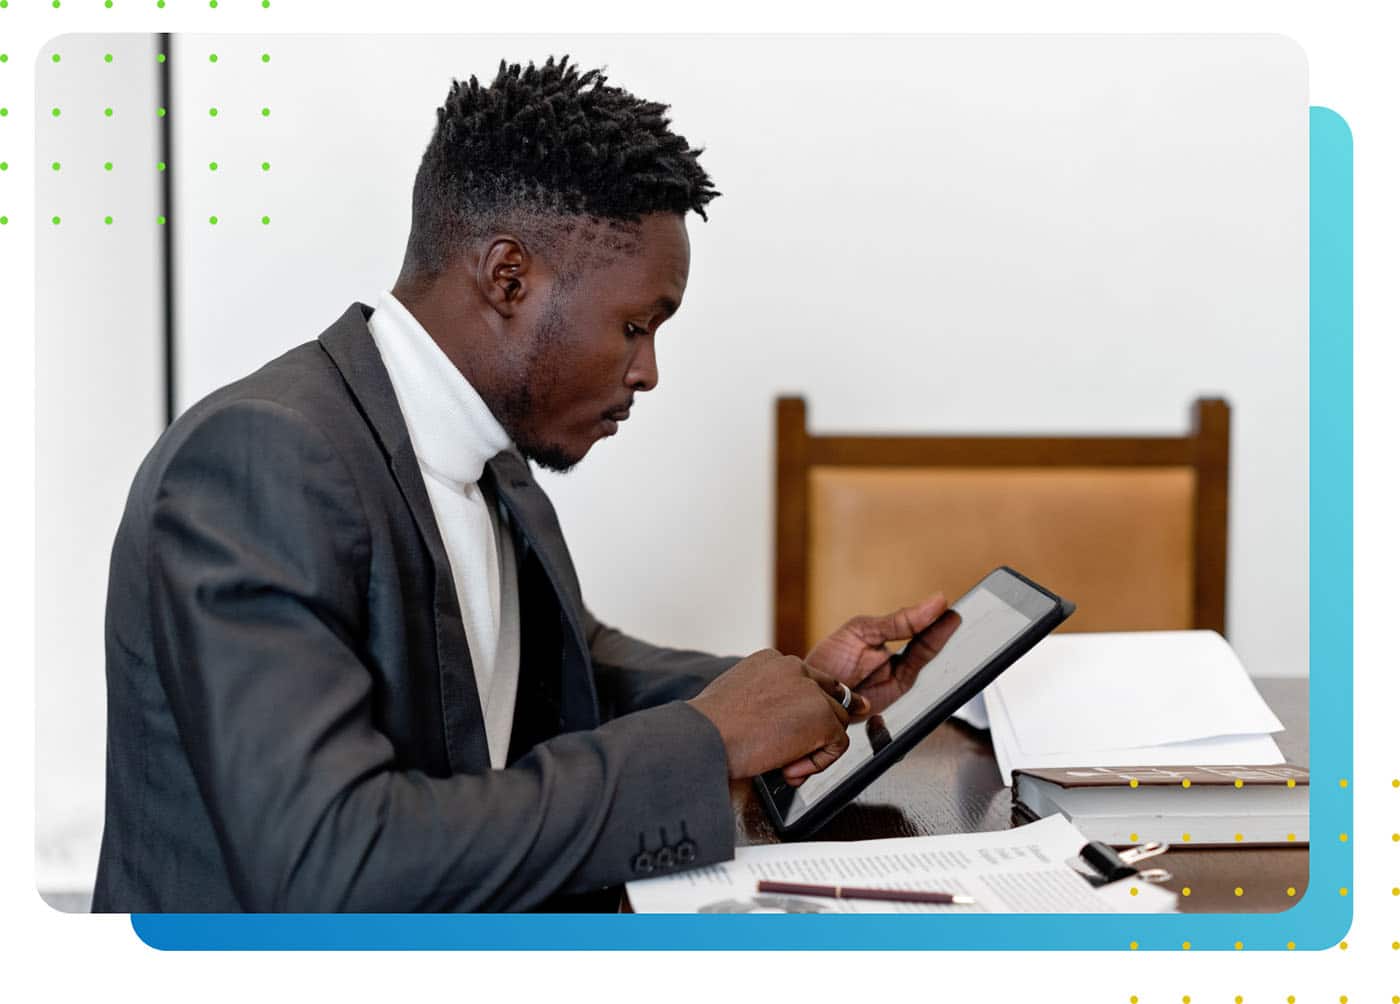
<point x="836" y="690"/>
<point x="818" y="760"/>
<point x="903" y="623"/>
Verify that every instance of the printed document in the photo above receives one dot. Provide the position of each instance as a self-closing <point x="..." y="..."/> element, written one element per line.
<point x="1029" y="869"/>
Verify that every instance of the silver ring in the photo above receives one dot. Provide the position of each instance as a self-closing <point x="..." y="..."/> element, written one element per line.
<point x="845" y="695"/>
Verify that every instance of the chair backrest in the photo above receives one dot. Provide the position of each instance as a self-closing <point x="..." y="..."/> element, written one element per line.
<point x="1131" y="528"/>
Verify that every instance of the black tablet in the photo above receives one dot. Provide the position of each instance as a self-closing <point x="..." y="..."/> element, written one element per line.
<point x="937" y="672"/>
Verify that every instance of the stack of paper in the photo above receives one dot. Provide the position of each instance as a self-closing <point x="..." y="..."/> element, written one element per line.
<point x="1141" y="698"/>
<point x="1031" y="869"/>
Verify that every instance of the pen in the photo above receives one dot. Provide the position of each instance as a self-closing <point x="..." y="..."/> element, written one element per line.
<point x="851" y="892"/>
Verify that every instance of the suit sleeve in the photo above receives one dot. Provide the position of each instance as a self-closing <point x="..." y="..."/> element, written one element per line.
<point x="632" y="675"/>
<point x="258" y="570"/>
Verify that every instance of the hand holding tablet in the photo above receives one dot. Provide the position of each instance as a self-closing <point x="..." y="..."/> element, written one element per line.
<point x="952" y="655"/>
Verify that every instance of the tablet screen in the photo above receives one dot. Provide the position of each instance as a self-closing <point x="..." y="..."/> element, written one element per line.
<point x="932" y="666"/>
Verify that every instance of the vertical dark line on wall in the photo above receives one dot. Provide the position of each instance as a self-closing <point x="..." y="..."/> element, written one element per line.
<point x="167" y="200"/>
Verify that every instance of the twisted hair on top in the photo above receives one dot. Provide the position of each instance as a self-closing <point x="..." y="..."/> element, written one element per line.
<point x="546" y="150"/>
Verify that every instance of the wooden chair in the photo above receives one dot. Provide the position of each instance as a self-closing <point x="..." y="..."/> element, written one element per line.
<point x="1131" y="528"/>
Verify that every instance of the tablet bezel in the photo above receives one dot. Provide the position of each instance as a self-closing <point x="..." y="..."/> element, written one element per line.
<point x="1013" y="593"/>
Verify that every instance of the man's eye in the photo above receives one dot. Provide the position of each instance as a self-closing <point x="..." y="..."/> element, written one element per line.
<point x="632" y="330"/>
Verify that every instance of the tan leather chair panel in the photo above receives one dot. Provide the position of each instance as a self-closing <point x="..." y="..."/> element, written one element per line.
<point x="1116" y="541"/>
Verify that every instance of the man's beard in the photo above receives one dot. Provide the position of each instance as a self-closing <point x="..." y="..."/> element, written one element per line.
<point x="538" y="371"/>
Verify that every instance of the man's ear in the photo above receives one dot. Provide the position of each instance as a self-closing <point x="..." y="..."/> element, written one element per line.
<point x="504" y="277"/>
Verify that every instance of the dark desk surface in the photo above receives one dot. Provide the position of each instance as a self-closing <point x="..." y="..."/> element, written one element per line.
<point x="950" y="784"/>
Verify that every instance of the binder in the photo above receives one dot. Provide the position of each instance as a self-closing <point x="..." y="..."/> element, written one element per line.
<point x="1100" y="864"/>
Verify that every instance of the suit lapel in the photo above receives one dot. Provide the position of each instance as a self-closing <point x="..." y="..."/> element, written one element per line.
<point x="351" y="347"/>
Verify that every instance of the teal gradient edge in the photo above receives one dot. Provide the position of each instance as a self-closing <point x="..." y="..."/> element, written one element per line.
<point x="1320" y="919"/>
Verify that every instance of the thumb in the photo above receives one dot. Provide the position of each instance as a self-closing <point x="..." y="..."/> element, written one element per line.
<point x="906" y="622"/>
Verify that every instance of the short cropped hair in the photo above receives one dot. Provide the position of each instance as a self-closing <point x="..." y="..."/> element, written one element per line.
<point x="547" y="151"/>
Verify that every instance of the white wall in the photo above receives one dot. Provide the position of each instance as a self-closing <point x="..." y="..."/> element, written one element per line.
<point x="99" y="404"/>
<point x="1022" y="234"/>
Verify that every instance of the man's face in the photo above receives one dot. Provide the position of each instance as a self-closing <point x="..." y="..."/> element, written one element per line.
<point x="592" y="347"/>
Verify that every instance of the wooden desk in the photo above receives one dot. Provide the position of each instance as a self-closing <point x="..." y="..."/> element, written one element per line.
<point x="950" y="784"/>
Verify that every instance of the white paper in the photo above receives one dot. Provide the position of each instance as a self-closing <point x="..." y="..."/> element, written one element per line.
<point x="974" y="712"/>
<point x="1242" y="750"/>
<point x="1022" y="870"/>
<point x="1084" y="693"/>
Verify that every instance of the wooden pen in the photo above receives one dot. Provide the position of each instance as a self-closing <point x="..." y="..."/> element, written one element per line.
<point x="851" y="892"/>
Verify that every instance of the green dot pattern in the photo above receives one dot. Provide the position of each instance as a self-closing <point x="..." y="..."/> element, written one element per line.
<point x="56" y="112"/>
<point x="4" y="165"/>
<point x="4" y="220"/>
<point x="160" y="4"/>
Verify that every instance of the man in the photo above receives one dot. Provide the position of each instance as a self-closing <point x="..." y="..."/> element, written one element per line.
<point x="349" y="665"/>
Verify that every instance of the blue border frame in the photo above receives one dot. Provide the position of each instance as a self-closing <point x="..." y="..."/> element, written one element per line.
<point x="1319" y="920"/>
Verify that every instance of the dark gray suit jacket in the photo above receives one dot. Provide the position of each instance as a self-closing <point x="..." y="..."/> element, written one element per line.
<point x="293" y="721"/>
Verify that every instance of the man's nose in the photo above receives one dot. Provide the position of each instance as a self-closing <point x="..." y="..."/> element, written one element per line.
<point x="642" y="375"/>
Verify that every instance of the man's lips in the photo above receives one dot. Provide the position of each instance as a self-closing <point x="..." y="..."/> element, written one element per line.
<point x="611" y="419"/>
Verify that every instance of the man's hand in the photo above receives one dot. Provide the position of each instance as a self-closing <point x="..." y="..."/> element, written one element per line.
<point x="855" y="653"/>
<point x="773" y="711"/>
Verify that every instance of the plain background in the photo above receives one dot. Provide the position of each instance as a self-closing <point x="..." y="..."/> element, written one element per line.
<point x="1026" y="235"/>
